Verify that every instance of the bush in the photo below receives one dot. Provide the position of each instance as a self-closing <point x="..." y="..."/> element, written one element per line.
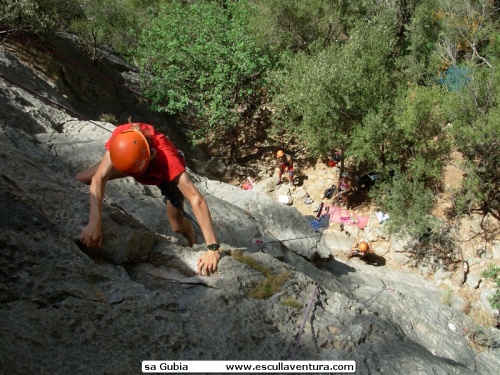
<point x="409" y="204"/>
<point x="200" y="57"/>
<point x="493" y="273"/>
<point x="39" y="16"/>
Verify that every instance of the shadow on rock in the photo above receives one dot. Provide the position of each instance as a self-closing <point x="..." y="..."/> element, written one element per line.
<point x="375" y="260"/>
<point x="336" y="268"/>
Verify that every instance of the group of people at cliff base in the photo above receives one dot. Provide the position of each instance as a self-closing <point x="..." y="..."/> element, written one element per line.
<point x="284" y="163"/>
<point x="360" y="248"/>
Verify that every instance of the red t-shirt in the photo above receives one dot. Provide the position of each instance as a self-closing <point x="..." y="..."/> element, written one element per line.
<point x="167" y="164"/>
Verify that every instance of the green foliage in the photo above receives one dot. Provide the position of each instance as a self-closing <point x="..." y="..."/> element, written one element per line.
<point x="304" y="25"/>
<point x="493" y="47"/>
<point x="418" y="62"/>
<point x="251" y="262"/>
<point x="39" y="16"/>
<point x="322" y="99"/>
<point x="483" y="336"/>
<point x="408" y="203"/>
<point x="420" y="140"/>
<point x="113" y="24"/>
<point x="493" y="273"/>
<point x="475" y="117"/>
<point x="200" y="56"/>
<point x="268" y="287"/>
<point x="291" y="302"/>
<point x="467" y="27"/>
<point x="369" y="141"/>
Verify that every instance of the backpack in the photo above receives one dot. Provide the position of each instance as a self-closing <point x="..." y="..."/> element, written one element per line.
<point x="328" y="194"/>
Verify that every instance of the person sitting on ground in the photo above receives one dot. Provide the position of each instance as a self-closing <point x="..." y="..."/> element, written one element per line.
<point x="344" y="189"/>
<point x="140" y="151"/>
<point x="285" y="163"/>
<point x="360" y="249"/>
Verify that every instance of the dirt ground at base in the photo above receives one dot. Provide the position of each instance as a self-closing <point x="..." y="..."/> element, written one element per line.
<point x="361" y="203"/>
<point x="313" y="178"/>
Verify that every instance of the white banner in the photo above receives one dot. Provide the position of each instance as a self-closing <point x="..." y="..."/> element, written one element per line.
<point x="235" y="367"/>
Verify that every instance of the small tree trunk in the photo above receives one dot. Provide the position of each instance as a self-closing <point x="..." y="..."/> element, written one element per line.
<point x="337" y="190"/>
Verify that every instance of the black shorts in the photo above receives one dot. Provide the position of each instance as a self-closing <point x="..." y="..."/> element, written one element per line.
<point x="171" y="193"/>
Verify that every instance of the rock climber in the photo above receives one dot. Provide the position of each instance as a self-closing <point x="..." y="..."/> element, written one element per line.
<point x="140" y="151"/>
<point x="360" y="249"/>
<point x="285" y="163"/>
<point x="345" y="189"/>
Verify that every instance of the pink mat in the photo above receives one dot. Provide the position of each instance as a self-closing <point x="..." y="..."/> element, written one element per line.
<point x="339" y="215"/>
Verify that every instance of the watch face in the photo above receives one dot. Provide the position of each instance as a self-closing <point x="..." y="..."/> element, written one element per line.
<point x="214" y="246"/>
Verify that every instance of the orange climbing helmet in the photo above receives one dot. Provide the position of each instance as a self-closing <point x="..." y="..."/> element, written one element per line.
<point x="280" y="153"/>
<point x="363" y="246"/>
<point x="130" y="152"/>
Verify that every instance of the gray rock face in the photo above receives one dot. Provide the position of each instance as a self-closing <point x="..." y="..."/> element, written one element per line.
<point x="64" y="310"/>
<point x="274" y="221"/>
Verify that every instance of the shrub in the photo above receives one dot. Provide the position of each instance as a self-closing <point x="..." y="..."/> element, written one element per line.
<point x="291" y="302"/>
<point x="493" y="272"/>
<point x="267" y="287"/>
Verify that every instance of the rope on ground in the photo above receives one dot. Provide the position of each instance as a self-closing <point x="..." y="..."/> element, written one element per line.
<point x="301" y="330"/>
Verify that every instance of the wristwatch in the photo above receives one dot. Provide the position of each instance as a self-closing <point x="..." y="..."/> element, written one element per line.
<point x="213" y="247"/>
